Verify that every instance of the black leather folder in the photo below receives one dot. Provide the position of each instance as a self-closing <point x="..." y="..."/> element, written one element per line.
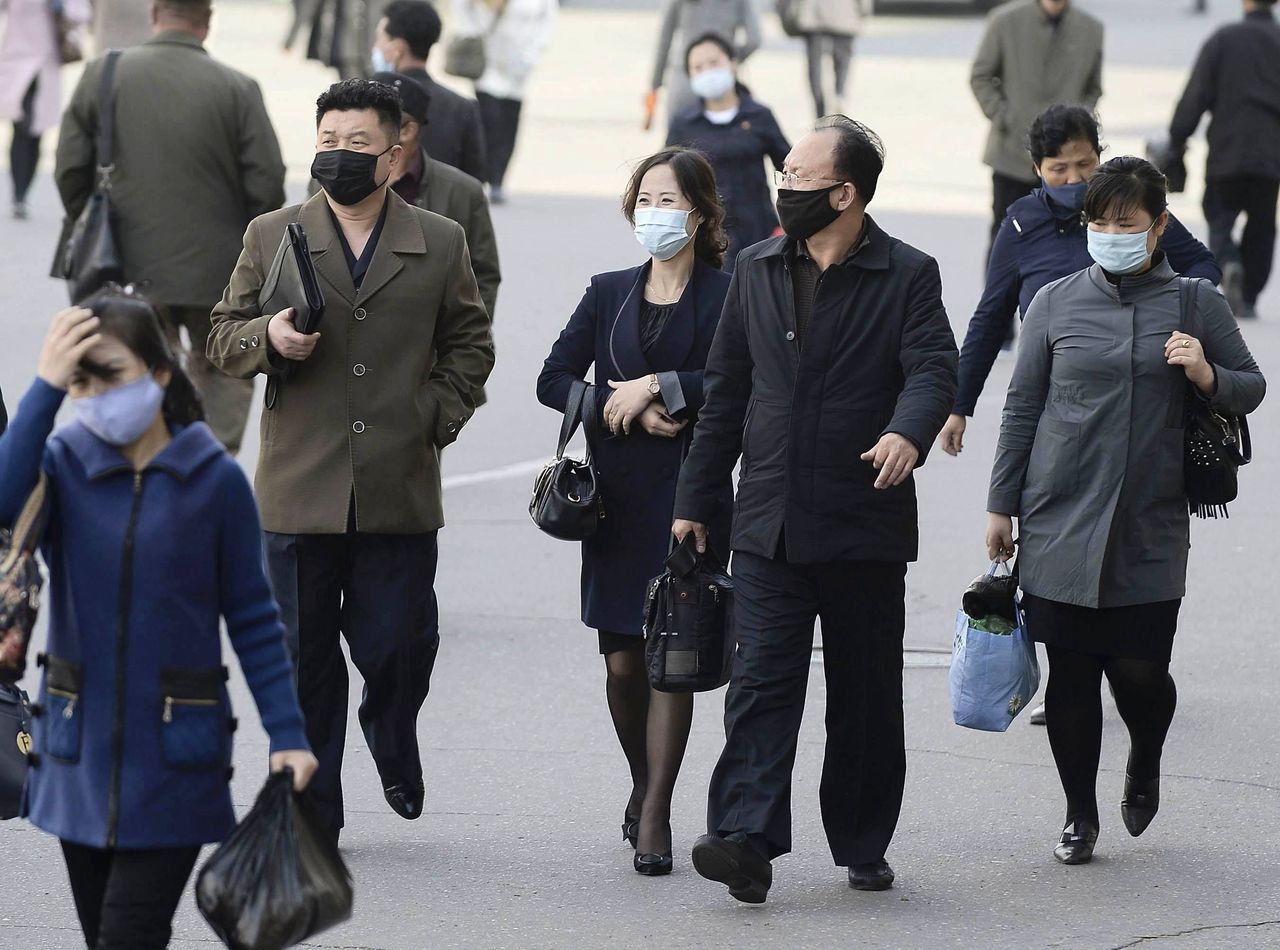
<point x="292" y="282"/>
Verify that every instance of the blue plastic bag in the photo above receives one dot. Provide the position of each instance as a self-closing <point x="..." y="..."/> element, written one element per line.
<point x="993" y="675"/>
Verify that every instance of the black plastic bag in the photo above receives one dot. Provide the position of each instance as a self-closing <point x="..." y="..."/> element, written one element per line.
<point x="994" y="594"/>
<point x="278" y="879"/>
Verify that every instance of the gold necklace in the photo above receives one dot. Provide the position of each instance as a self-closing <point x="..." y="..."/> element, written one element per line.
<point x="662" y="298"/>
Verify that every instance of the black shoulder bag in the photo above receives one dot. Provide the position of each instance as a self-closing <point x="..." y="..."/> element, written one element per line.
<point x="1215" y="444"/>
<point x="91" y="257"/>
<point x="15" y="746"/>
<point x="689" y="634"/>
<point x="566" y="500"/>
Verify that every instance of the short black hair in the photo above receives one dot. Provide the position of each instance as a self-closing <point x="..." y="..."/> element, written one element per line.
<point x="414" y="21"/>
<point x="715" y="39"/>
<point x="1058" y="125"/>
<point x="414" y="100"/>
<point x="859" y="153"/>
<point x="356" y="95"/>
<point x="1125" y="185"/>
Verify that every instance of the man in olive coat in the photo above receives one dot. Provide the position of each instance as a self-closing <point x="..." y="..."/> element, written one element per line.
<point x="196" y="160"/>
<point x="349" y="475"/>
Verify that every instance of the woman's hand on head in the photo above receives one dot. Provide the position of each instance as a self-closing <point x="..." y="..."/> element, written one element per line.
<point x="72" y="334"/>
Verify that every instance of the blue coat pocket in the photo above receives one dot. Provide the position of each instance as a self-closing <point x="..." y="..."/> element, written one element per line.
<point x="195" y="731"/>
<point x="61" y="717"/>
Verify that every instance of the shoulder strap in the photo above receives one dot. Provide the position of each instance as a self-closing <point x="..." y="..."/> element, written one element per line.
<point x="28" y="527"/>
<point x="572" y="415"/>
<point x="1188" y="293"/>
<point x="107" y="115"/>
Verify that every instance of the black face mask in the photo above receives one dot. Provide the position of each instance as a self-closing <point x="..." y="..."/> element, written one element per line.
<point x="346" y="175"/>
<point x="804" y="213"/>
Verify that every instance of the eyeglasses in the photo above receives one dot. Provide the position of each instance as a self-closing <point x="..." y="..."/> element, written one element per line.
<point x="790" y="179"/>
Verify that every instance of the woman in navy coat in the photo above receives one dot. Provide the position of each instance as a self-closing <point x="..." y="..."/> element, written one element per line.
<point x="647" y="330"/>
<point x="151" y="539"/>
<point x="738" y="135"/>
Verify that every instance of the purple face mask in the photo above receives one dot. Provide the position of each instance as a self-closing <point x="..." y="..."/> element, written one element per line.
<point x="120" y="415"/>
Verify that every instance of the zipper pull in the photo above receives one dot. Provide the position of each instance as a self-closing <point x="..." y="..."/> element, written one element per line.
<point x="69" y="709"/>
<point x="137" y="483"/>
<point x="168" y="710"/>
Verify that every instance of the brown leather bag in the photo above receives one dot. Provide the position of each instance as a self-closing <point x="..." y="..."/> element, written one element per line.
<point x="20" y="584"/>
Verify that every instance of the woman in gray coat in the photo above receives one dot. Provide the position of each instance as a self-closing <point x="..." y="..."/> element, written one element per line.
<point x="1090" y="462"/>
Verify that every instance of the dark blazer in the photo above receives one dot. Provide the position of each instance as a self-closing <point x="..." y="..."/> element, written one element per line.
<point x="453" y="133"/>
<point x="192" y="525"/>
<point x="1236" y="78"/>
<point x="879" y="356"/>
<point x="196" y="160"/>
<point x="1040" y="242"/>
<point x="391" y="381"/>
<point x="738" y="153"/>
<point x="638" y="472"/>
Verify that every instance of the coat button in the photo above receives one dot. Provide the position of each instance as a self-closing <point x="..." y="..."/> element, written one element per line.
<point x="357" y="427"/>
<point x="790" y="335"/>
<point x="244" y="344"/>
<point x="361" y="313"/>
<point x="253" y="341"/>
<point x="358" y="369"/>
<point x="452" y="428"/>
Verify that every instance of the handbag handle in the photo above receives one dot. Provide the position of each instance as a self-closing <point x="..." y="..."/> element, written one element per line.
<point x="684" y="559"/>
<point x="572" y="416"/>
<point x="28" y="527"/>
<point x="107" y="119"/>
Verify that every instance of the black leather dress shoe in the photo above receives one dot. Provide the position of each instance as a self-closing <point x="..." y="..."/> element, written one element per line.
<point x="1140" y="803"/>
<point x="733" y="862"/>
<point x="652" y="865"/>
<point x="405" y="799"/>
<point x="1077" y="841"/>
<point x="874" y="876"/>
<point x="630" y="829"/>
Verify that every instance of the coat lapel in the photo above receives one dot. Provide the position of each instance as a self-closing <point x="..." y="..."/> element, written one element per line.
<point x="326" y="251"/>
<point x="624" y="329"/>
<point x="401" y="234"/>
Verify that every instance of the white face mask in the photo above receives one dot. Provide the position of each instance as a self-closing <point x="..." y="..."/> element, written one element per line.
<point x="663" y="232"/>
<point x="1119" y="253"/>
<point x="713" y="83"/>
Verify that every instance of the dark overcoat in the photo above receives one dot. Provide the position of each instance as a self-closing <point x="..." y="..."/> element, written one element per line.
<point x="638" y="472"/>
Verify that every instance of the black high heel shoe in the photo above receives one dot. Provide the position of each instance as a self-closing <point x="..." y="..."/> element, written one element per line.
<point x="1077" y="841"/>
<point x="652" y="865"/>
<point x="1140" y="803"/>
<point x="630" y="829"/>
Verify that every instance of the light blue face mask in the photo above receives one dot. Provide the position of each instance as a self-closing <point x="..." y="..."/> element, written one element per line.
<point x="1069" y="196"/>
<point x="662" y="231"/>
<point x="120" y="415"/>
<point x="379" y="61"/>
<point x="1119" y="253"/>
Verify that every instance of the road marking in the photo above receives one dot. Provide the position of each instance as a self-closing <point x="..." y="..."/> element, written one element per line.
<point x="500" y="474"/>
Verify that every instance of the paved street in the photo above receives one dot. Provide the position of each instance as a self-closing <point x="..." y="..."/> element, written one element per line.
<point x="520" y="845"/>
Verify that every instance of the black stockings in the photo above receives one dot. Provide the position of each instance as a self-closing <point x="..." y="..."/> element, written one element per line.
<point x="1144" y="694"/>
<point x="653" y="729"/>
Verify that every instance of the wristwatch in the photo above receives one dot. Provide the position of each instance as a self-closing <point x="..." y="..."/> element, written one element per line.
<point x="654" y="386"/>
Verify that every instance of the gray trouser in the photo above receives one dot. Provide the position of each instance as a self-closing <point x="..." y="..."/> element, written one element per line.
<point x="226" y="399"/>
<point x="841" y="47"/>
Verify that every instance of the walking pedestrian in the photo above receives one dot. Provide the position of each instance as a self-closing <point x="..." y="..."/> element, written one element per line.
<point x="1034" y="53"/>
<point x="133" y="730"/>
<point x="1236" y="80"/>
<point x="349" y="475"/>
<point x="454" y="133"/>
<point x="685" y="20"/>
<point x="31" y="82"/>
<point x="737" y="135"/>
<point x="1043" y="239"/>
<point x="443" y="189"/>
<point x="1092" y="469"/>
<point x="196" y="160"/>
<point x="829" y="28"/>
<point x="515" y="33"/>
<point x="831" y="373"/>
<point x="647" y="330"/>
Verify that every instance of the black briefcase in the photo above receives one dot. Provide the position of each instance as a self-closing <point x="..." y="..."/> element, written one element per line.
<point x="15" y="745"/>
<point x="689" y="634"/>
<point x="292" y="282"/>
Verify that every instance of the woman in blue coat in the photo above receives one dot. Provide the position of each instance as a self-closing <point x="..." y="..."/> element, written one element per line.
<point x="737" y="135"/>
<point x="151" y="539"/>
<point x="647" y="330"/>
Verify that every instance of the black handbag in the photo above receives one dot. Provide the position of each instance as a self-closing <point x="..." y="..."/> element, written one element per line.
<point x="291" y="282"/>
<point x="689" y="634"/>
<point x="566" y="500"/>
<point x="1215" y="444"/>
<point x="15" y="746"/>
<point x="20" y="583"/>
<point x="91" y="256"/>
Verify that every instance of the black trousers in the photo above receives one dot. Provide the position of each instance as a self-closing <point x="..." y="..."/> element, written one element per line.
<point x="376" y="591"/>
<point x="126" y="899"/>
<point x="861" y="604"/>
<point x="24" y="149"/>
<point x="501" y="120"/>
<point x="1225" y="199"/>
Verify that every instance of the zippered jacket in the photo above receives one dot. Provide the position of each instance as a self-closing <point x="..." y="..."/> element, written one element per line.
<point x="133" y="730"/>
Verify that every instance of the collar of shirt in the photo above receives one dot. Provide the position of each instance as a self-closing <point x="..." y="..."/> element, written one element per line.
<point x="723" y="117"/>
<point x="359" y="265"/>
<point x="801" y="248"/>
<point x="409" y="187"/>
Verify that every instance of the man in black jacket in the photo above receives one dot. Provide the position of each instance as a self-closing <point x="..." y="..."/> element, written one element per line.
<point x="1237" y="80"/>
<point x="832" y="371"/>
<point x="453" y="133"/>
